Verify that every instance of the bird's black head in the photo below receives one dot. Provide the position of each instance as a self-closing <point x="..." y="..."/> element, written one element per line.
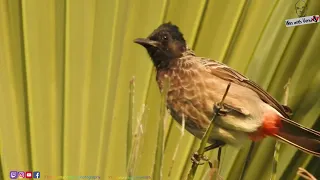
<point x="165" y="43"/>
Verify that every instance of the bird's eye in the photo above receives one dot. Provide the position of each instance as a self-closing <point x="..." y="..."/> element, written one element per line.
<point x="165" y="37"/>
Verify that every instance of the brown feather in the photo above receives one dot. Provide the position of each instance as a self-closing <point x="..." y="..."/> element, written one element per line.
<point x="224" y="72"/>
<point x="303" y="138"/>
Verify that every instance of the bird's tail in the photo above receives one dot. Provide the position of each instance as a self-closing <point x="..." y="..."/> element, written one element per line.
<point x="305" y="139"/>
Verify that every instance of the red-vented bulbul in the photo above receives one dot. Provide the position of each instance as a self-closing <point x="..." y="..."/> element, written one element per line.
<point x="197" y="83"/>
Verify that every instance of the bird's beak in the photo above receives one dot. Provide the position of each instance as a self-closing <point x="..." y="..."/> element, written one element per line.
<point x="146" y="42"/>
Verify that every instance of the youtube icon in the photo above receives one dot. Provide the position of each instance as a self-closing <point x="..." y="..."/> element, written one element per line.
<point x="29" y="174"/>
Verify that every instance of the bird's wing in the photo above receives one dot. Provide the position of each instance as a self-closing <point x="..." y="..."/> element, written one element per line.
<point x="224" y="72"/>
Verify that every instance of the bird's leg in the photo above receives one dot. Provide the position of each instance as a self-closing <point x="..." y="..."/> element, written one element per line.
<point x="196" y="158"/>
<point x="219" y="156"/>
<point x="217" y="144"/>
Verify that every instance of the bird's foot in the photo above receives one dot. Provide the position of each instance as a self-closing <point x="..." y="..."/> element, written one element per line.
<point x="218" y="107"/>
<point x="198" y="159"/>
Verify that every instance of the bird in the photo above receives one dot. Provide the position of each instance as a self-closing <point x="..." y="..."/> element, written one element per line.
<point x="196" y="84"/>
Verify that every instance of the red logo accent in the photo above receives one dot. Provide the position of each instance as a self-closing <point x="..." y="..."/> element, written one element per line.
<point x="29" y="174"/>
<point x="315" y="18"/>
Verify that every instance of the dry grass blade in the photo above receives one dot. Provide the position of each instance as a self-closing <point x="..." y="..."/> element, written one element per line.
<point x="278" y="144"/>
<point x="275" y="160"/>
<point x="130" y="119"/>
<point x="137" y="142"/>
<point x="206" y="136"/>
<point x="178" y="145"/>
<point x="157" y="168"/>
<point x="305" y="174"/>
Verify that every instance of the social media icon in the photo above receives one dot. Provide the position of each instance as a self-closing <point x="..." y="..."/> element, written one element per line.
<point x="21" y="174"/>
<point x="36" y="174"/>
<point x="13" y="174"/>
<point x="29" y="174"/>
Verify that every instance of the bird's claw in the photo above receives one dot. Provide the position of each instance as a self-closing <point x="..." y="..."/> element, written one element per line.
<point x="197" y="158"/>
<point x="218" y="107"/>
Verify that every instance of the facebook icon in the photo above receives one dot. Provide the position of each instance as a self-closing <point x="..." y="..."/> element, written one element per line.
<point x="36" y="174"/>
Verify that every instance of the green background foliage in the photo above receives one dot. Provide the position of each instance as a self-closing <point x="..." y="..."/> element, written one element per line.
<point x="65" y="67"/>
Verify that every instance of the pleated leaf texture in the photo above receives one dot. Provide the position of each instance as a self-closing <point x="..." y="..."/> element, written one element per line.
<point x="65" y="67"/>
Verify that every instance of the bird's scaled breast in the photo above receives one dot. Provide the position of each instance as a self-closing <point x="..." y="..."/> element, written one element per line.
<point x="187" y="97"/>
